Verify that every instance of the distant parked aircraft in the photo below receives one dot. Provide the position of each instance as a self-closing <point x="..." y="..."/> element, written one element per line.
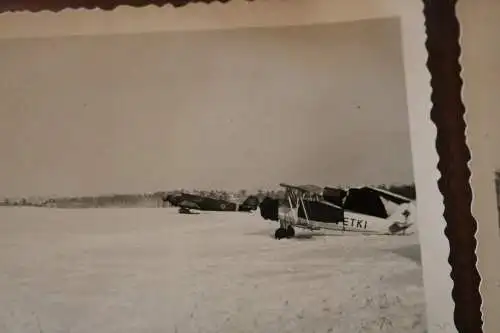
<point x="187" y="202"/>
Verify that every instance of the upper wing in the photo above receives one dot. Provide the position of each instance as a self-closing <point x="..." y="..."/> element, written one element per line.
<point x="311" y="189"/>
<point x="396" y="198"/>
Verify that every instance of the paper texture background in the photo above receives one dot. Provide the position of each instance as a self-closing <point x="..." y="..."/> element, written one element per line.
<point x="480" y="61"/>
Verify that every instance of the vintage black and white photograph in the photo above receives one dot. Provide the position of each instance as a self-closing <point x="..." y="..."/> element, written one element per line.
<point x="253" y="179"/>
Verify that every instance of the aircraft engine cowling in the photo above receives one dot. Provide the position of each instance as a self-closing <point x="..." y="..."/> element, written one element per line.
<point x="172" y="199"/>
<point x="269" y="209"/>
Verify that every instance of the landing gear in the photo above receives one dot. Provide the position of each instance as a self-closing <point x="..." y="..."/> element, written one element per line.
<point x="281" y="233"/>
<point x="184" y="210"/>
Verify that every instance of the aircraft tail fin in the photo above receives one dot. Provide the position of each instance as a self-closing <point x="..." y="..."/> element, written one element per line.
<point x="402" y="218"/>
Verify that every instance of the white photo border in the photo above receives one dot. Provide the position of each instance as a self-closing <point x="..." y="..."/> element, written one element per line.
<point x="239" y="13"/>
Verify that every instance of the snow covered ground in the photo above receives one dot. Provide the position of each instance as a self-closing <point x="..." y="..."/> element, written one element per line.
<point x="153" y="270"/>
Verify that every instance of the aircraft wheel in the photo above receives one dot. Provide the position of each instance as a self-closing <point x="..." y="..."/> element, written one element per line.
<point x="290" y="232"/>
<point x="280" y="233"/>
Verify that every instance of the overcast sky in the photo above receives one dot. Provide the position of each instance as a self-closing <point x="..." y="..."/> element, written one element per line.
<point x="245" y="108"/>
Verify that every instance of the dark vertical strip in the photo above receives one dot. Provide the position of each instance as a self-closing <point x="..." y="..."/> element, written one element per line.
<point x="447" y="113"/>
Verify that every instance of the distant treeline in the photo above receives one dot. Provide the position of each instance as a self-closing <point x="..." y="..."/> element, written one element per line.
<point x="149" y="200"/>
<point x="155" y="200"/>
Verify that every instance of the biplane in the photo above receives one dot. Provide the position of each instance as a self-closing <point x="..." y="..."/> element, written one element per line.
<point x="366" y="210"/>
<point x="188" y="202"/>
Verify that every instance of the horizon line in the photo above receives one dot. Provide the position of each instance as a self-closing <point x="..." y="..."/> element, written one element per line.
<point x="278" y="188"/>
